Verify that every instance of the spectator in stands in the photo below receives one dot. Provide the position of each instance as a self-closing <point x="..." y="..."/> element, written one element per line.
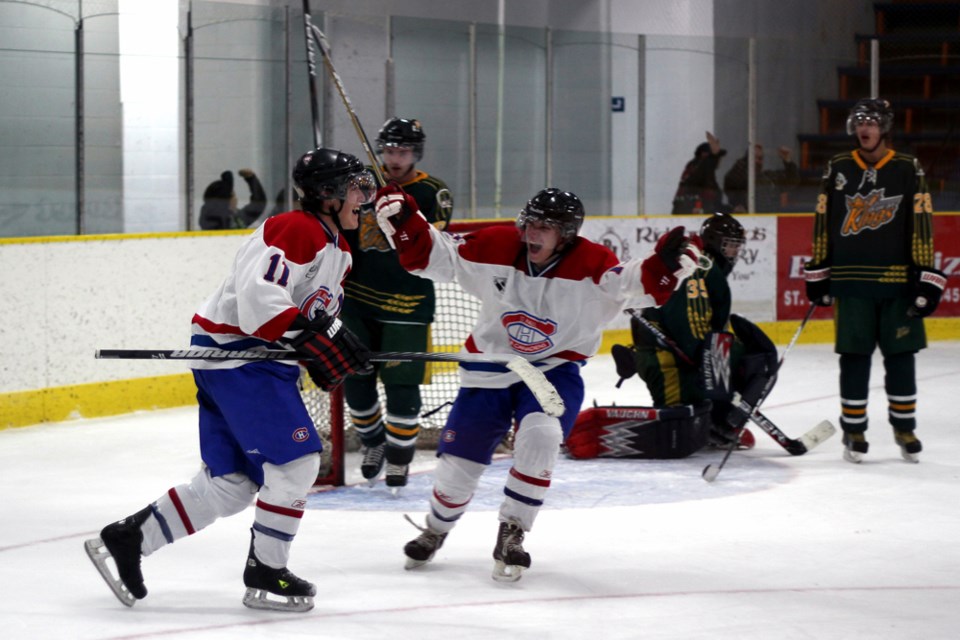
<point x="219" y="210"/>
<point x="699" y="190"/>
<point x="772" y="186"/>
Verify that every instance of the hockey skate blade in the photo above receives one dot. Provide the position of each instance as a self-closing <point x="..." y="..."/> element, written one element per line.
<point x="263" y="599"/>
<point x="97" y="551"/>
<point x="818" y="434"/>
<point x="545" y="393"/>
<point x="503" y="572"/>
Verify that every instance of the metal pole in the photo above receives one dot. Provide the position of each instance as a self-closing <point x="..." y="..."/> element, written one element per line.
<point x="641" y="115"/>
<point x="548" y="124"/>
<point x="498" y="159"/>
<point x="473" y="119"/>
<point x="188" y="125"/>
<point x="81" y="222"/>
<point x="874" y="68"/>
<point x="287" y="111"/>
<point x="390" y="102"/>
<point x="751" y="126"/>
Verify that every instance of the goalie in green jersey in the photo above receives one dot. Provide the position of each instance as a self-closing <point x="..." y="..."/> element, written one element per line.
<point x="391" y="310"/>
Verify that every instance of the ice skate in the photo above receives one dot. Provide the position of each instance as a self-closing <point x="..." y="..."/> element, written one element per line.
<point x="121" y="541"/>
<point x="275" y="589"/>
<point x="421" y="549"/>
<point x="396" y="477"/>
<point x="855" y="445"/>
<point x="509" y="557"/>
<point x="372" y="463"/>
<point x="909" y="445"/>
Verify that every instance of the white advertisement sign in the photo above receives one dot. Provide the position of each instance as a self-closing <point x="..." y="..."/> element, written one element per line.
<point x="753" y="281"/>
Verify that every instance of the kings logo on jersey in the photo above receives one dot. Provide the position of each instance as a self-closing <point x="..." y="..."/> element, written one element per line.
<point x="528" y="334"/>
<point x="871" y="211"/>
<point x="320" y="301"/>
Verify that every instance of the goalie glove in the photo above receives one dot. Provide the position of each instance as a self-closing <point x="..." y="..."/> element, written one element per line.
<point x="394" y="207"/>
<point x="817" y="279"/>
<point x="675" y="258"/>
<point x="927" y="286"/>
<point x="331" y="351"/>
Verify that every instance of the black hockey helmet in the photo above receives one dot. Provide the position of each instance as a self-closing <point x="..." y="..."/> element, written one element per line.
<point x="562" y="209"/>
<point x="867" y="109"/>
<point x="327" y="174"/>
<point x="723" y="237"/>
<point x="404" y="133"/>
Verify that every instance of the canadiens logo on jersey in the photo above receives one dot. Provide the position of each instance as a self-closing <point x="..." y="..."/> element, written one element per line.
<point x="870" y="211"/>
<point x="319" y="301"/>
<point x="528" y="334"/>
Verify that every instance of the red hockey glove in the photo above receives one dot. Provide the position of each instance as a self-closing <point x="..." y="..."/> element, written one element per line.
<point x="394" y="208"/>
<point x="675" y="259"/>
<point x="331" y="351"/>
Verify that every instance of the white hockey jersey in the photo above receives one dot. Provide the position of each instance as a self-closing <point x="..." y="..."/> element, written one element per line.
<point x="292" y="264"/>
<point x="554" y="317"/>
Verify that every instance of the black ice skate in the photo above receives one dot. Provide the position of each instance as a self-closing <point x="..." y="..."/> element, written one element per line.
<point x="909" y="445"/>
<point x="372" y="463"/>
<point x="855" y="445"/>
<point x="509" y="557"/>
<point x="421" y="549"/>
<point x="290" y="592"/>
<point x="396" y="477"/>
<point x="121" y="541"/>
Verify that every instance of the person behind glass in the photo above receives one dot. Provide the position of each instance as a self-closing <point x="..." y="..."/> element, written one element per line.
<point x="873" y="261"/>
<point x="391" y="310"/>
<point x="219" y="210"/>
<point x="699" y="190"/>
<point x="257" y="441"/>
<point x="772" y="185"/>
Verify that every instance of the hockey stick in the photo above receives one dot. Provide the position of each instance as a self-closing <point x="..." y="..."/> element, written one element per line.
<point x="710" y="472"/>
<point x="541" y="388"/>
<point x="316" y="37"/>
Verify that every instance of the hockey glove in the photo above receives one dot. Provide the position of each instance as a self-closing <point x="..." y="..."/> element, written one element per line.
<point x="818" y="284"/>
<point x="927" y="286"/>
<point x="675" y="258"/>
<point x="331" y="351"/>
<point x="394" y="207"/>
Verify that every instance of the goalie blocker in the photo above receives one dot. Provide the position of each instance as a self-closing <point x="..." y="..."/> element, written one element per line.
<point x="639" y="432"/>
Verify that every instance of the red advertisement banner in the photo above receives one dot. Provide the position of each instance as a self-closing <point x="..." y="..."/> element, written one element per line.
<point x="794" y="235"/>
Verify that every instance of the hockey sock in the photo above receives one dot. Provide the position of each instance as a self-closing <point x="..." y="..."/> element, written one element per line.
<point x="536" y="447"/>
<point x="854" y="390"/>
<point x="368" y="424"/>
<point x="901" y="386"/>
<point x="454" y="482"/>
<point x="280" y="507"/>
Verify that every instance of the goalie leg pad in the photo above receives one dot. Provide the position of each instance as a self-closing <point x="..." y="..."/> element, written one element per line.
<point x="640" y="432"/>
<point x="715" y="365"/>
<point x="454" y="482"/>
<point x="280" y="507"/>
<point x="188" y="508"/>
<point x="535" y="451"/>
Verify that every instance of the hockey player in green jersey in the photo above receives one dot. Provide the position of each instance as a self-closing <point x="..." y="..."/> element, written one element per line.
<point x="391" y="310"/>
<point x="705" y="361"/>
<point x="873" y="261"/>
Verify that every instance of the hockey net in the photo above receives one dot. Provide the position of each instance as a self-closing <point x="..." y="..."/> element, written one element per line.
<point x="456" y="313"/>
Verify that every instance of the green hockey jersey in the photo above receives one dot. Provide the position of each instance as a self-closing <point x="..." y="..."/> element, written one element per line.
<point x="872" y="222"/>
<point x="377" y="286"/>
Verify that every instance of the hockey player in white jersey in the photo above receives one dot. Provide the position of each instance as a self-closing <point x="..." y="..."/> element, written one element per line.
<point x="256" y="438"/>
<point x="546" y="295"/>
